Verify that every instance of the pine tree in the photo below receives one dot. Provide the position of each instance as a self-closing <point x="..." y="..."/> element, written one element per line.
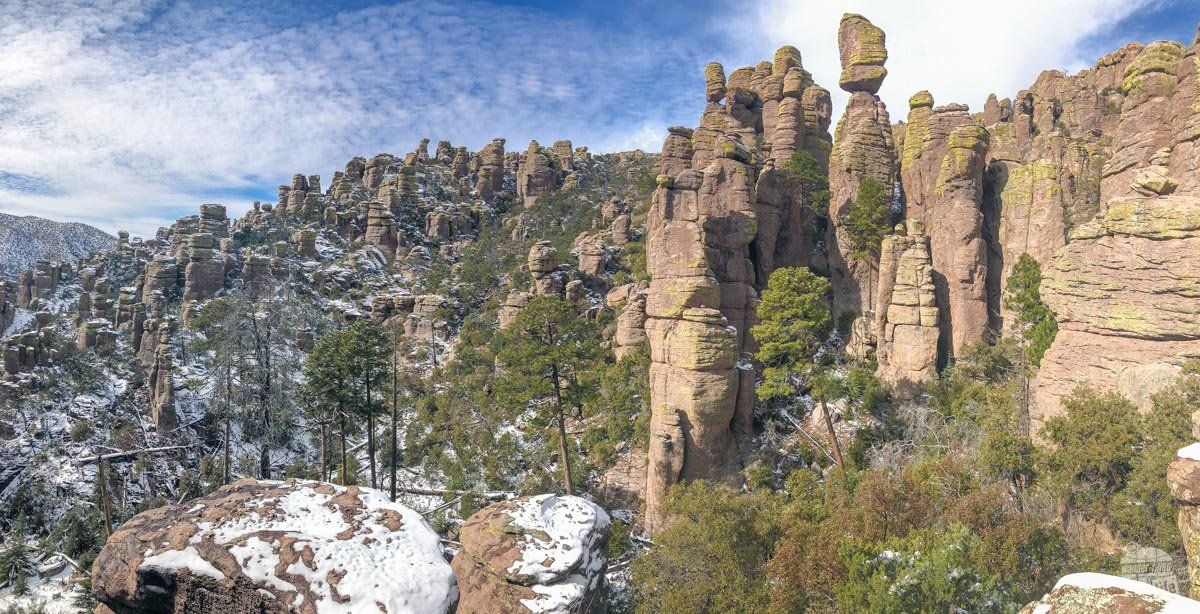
<point x="368" y="351"/>
<point x="869" y="220"/>
<point x="794" y="320"/>
<point x="804" y="168"/>
<point x="330" y="386"/>
<point x="549" y="353"/>
<point x="16" y="561"/>
<point x="1023" y="296"/>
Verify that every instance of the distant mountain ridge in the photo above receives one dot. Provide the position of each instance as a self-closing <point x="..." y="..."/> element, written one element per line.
<point x="24" y="240"/>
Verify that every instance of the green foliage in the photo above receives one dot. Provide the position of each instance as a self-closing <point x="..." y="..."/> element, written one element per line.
<point x="1094" y="444"/>
<point x="1144" y="511"/>
<point x="711" y="556"/>
<point x="869" y="220"/>
<point x="618" y="416"/>
<point x="1034" y="318"/>
<point x="16" y="560"/>
<point x="645" y="182"/>
<point x="549" y="355"/>
<point x="932" y="570"/>
<point x="805" y="169"/>
<point x="794" y="319"/>
<point x="80" y="431"/>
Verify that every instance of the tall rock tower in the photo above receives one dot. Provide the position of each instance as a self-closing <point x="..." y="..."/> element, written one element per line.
<point x="862" y="149"/>
<point x="723" y="217"/>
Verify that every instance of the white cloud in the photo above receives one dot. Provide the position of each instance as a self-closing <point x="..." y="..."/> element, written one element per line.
<point x="960" y="51"/>
<point x="122" y="113"/>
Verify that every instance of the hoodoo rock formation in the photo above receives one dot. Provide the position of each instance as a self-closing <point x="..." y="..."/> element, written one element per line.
<point x="863" y="149"/>
<point x="907" y="312"/>
<point x="941" y="172"/>
<point x="723" y="217"/>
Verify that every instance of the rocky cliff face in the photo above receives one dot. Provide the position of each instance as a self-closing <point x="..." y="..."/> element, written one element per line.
<point x="1122" y="288"/>
<point x="723" y="217"/>
<point x="942" y="177"/>
<point x="907" y="315"/>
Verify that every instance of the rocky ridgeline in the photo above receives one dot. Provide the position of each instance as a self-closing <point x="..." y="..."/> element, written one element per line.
<point x="35" y="344"/>
<point x="261" y="546"/>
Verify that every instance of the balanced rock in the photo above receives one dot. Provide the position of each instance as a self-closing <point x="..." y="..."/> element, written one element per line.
<point x="265" y="546"/>
<point x="863" y="51"/>
<point x="545" y="553"/>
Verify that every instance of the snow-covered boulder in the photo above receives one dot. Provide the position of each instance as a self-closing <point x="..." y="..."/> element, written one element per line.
<point x="265" y="546"/>
<point x="1095" y="593"/>
<point x="545" y="553"/>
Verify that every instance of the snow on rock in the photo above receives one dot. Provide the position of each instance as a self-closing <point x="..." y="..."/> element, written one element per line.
<point x="256" y="546"/>
<point x="1090" y="593"/>
<point x="1191" y="452"/>
<point x="546" y="553"/>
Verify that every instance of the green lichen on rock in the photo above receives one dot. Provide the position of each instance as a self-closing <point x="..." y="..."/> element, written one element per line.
<point x="786" y="57"/>
<point x="714" y="81"/>
<point x="966" y="146"/>
<point x="862" y="50"/>
<point x="921" y="99"/>
<point x="1161" y="57"/>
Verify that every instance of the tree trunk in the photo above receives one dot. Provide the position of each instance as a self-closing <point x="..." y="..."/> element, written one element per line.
<point x="837" y="446"/>
<point x="342" y="417"/>
<point x="563" y="451"/>
<point x="370" y="429"/>
<point x="228" y="418"/>
<point x="324" y="454"/>
<point x="225" y="469"/>
<point x="394" y="438"/>
<point x="104" y="498"/>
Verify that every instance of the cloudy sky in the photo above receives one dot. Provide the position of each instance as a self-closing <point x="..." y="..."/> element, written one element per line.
<point x="129" y="113"/>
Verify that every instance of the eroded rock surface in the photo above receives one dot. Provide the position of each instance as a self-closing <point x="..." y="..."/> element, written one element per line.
<point x="1093" y="593"/>
<point x="262" y="546"/>
<point x="545" y="553"/>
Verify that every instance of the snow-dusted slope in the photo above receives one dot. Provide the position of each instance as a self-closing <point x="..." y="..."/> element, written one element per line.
<point x="26" y="239"/>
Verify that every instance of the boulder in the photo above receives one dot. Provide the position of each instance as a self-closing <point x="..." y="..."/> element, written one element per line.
<point x="863" y="52"/>
<point x="545" y="553"/>
<point x="1093" y="593"/>
<point x="264" y="546"/>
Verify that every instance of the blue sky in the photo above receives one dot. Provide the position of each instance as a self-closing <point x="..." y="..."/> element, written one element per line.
<point x="128" y="113"/>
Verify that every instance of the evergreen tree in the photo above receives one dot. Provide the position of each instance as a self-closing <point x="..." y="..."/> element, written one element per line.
<point x="1095" y="443"/>
<point x="804" y="168"/>
<point x="869" y="220"/>
<point x="548" y="355"/>
<point x="330" y="384"/>
<point x="367" y="352"/>
<point x="1023" y="296"/>
<point x="225" y="343"/>
<point x="16" y="560"/>
<point x="793" y="321"/>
